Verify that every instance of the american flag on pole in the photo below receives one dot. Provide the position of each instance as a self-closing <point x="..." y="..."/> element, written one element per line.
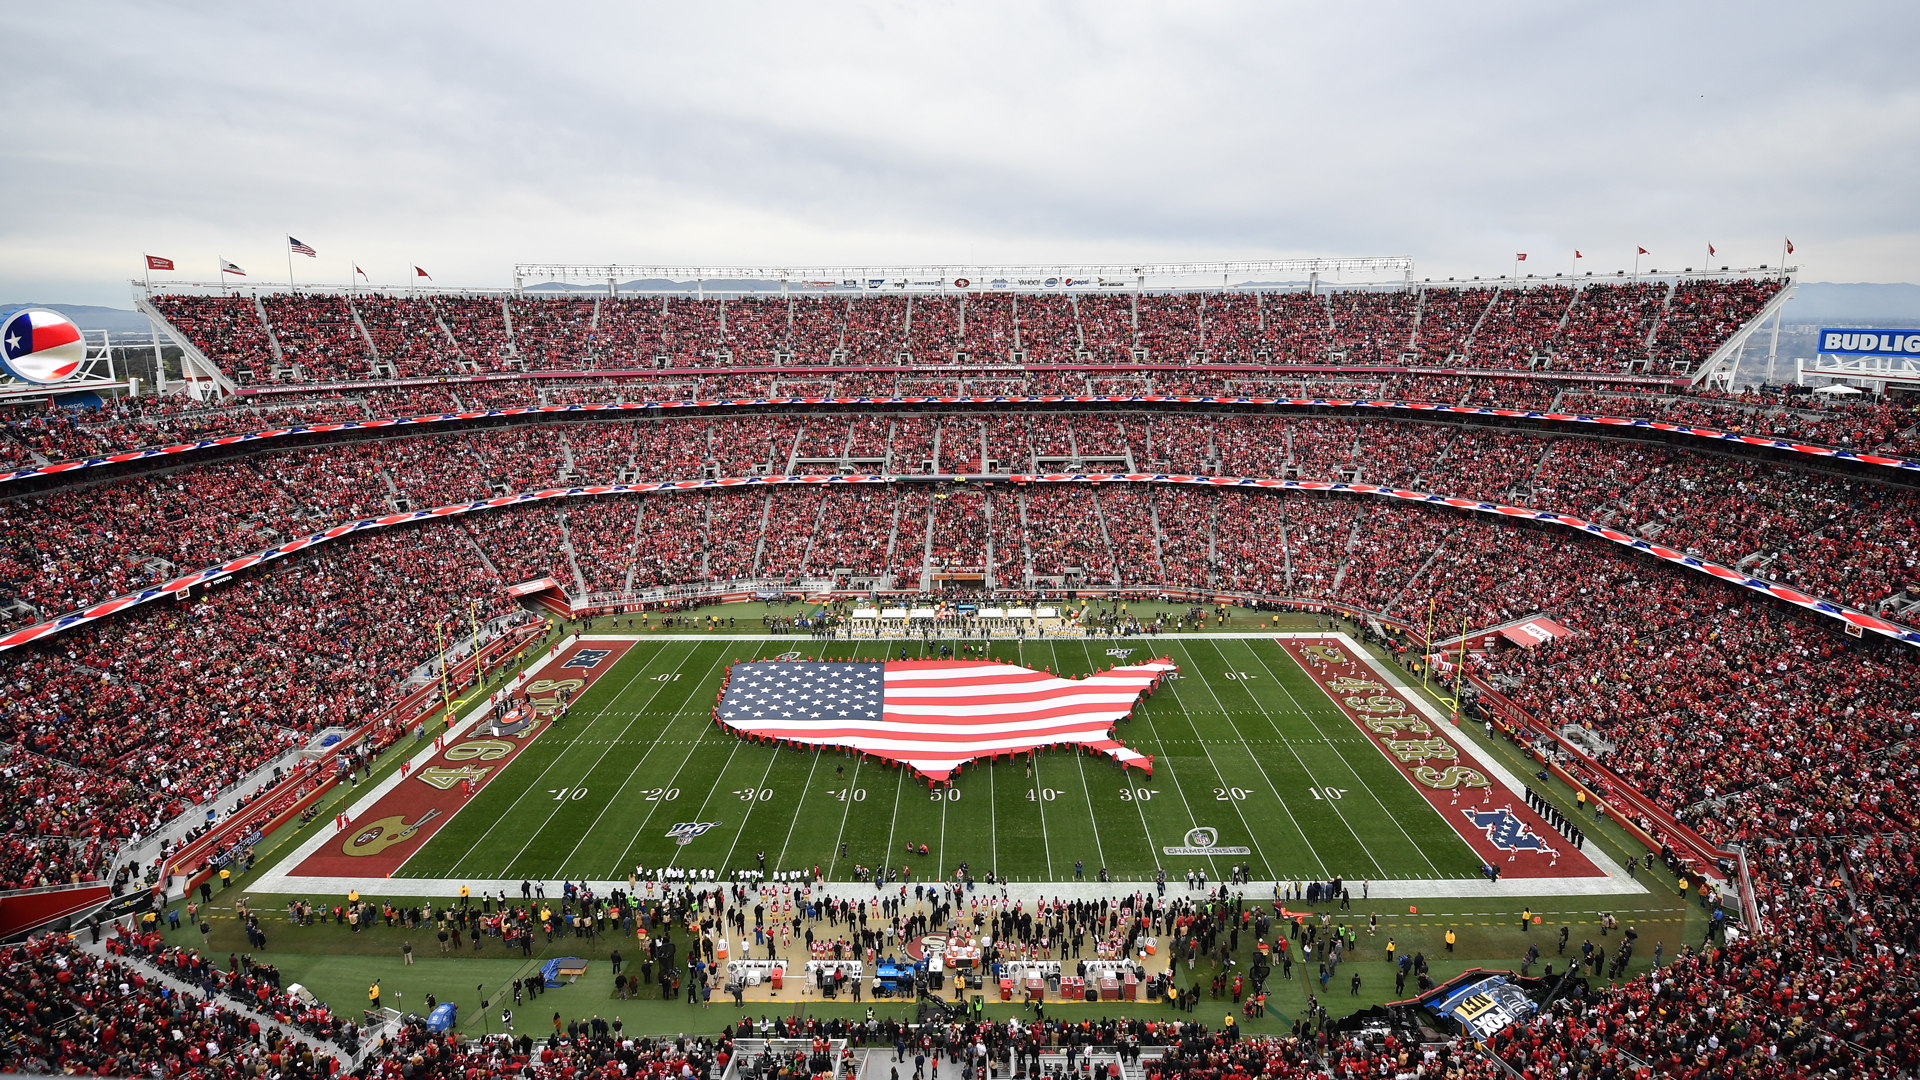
<point x="934" y="715"/>
<point x="300" y="248"/>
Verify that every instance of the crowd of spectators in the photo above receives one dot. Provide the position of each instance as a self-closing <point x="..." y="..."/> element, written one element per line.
<point x="1518" y="327"/>
<point x="1607" y="327"/>
<point x="1823" y="988"/>
<point x="170" y="704"/>
<point x="1065" y="535"/>
<point x="316" y="333"/>
<point x="69" y="1011"/>
<point x="1604" y="327"/>
<point x="1372" y="327"/>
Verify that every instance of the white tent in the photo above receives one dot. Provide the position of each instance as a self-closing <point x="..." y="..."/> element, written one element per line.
<point x="1838" y="390"/>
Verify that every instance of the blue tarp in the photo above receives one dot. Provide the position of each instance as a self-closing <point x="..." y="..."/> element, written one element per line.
<point x="550" y="971"/>
<point x="443" y="1016"/>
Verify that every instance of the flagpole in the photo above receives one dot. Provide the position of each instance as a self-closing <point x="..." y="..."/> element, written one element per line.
<point x="148" y="272"/>
<point x="289" y="264"/>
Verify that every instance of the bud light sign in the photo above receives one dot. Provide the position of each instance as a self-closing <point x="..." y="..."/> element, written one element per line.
<point x="1870" y="342"/>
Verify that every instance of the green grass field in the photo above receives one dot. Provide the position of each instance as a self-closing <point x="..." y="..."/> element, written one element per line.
<point x="1243" y="742"/>
<point x="1251" y="729"/>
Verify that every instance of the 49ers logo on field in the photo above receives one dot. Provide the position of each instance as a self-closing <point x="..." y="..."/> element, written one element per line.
<point x="926" y="945"/>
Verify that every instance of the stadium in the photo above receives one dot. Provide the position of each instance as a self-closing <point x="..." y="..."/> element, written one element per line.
<point x="1354" y="674"/>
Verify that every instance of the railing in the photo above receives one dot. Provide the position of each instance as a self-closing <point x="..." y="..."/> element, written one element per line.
<point x="1704" y="853"/>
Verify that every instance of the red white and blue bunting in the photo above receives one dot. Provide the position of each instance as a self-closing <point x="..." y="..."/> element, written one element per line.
<point x="1711" y="434"/>
<point x="1859" y="620"/>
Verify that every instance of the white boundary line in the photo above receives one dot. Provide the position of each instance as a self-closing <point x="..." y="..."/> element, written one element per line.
<point x="278" y="882"/>
<point x="1486" y="762"/>
<point x="1338" y="755"/>
<point x="269" y="881"/>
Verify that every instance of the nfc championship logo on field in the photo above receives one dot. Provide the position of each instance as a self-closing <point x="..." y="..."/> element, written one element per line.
<point x="1507" y="832"/>
<point x="1120" y="654"/>
<point x="685" y="831"/>
<point x="1205" y="840"/>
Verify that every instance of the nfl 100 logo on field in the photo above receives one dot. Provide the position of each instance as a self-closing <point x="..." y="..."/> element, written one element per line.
<point x="1205" y="840"/>
<point x="685" y="831"/>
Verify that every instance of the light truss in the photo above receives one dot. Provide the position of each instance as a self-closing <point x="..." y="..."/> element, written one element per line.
<point x="952" y="272"/>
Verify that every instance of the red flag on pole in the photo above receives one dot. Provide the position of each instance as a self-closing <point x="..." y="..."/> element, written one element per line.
<point x="1789" y="247"/>
<point x="1710" y="250"/>
<point x="1642" y="250"/>
<point x="1577" y="255"/>
<point x="1522" y="256"/>
<point x="361" y="272"/>
<point x="417" y="272"/>
<point x="155" y="262"/>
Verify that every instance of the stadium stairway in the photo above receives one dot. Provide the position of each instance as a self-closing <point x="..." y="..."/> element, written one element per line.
<point x="369" y="1040"/>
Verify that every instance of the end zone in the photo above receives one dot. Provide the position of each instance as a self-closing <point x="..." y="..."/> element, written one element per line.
<point x="1479" y="799"/>
<point x="390" y="824"/>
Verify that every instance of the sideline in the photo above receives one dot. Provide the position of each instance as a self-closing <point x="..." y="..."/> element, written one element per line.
<point x="1616" y="882"/>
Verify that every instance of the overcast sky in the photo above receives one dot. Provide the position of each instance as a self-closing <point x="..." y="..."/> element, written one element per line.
<point x="468" y="137"/>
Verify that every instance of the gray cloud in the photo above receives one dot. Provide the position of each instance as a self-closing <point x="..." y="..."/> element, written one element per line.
<point x="465" y="137"/>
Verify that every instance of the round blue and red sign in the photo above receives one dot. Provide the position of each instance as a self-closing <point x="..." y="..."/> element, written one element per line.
<point x="40" y="346"/>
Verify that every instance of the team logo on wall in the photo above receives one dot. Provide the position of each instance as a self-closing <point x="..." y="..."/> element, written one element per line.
<point x="1507" y="832"/>
<point x="685" y="831"/>
<point x="40" y="346"/>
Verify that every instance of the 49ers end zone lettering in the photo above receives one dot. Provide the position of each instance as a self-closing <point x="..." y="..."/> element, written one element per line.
<point x="1493" y="820"/>
<point x="382" y="837"/>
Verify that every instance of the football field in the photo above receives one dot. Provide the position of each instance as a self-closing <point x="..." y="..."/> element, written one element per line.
<point x="1245" y="743"/>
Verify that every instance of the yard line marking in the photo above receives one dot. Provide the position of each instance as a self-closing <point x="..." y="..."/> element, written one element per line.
<point x="559" y="872"/>
<point x="1175" y="776"/>
<point x="1314" y="780"/>
<point x="893" y="823"/>
<point x="1375" y="796"/>
<point x="1098" y="849"/>
<point x="664" y="728"/>
<point x="744" y="818"/>
<point x="1046" y="840"/>
<point x="692" y="745"/>
<point x="841" y="836"/>
<point x="1271" y="786"/>
<point x="796" y="810"/>
<point x="993" y="814"/>
<point x="454" y="867"/>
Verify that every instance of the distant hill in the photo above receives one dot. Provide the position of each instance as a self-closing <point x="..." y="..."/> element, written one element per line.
<point x="89" y="317"/>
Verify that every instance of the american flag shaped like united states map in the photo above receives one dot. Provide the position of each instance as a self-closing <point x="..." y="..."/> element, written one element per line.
<point x="934" y="715"/>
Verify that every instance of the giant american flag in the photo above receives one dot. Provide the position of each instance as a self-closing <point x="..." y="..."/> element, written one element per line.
<point x="933" y="715"/>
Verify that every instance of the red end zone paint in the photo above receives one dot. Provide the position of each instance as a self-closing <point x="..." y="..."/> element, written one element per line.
<point x="383" y="836"/>
<point x="1493" y="821"/>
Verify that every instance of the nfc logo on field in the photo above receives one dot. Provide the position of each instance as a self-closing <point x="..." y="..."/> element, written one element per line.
<point x="587" y="658"/>
<point x="1870" y="342"/>
<point x="1507" y="832"/>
